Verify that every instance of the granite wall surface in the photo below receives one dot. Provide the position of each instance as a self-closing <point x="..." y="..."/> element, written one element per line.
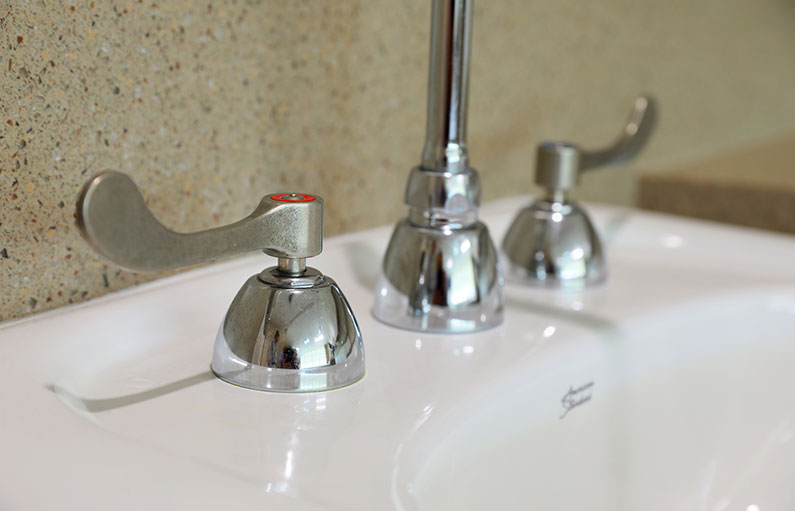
<point x="208" y="105"/>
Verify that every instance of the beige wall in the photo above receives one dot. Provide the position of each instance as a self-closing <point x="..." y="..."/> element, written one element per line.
<point x="210" y="105"/>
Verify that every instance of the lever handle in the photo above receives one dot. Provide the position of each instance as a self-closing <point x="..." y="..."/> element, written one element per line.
<point x="114" y="219"/>
<point x="559" y="164"/>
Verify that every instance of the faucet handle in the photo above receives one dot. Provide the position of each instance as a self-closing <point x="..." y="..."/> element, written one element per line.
<point x="288" y="329"/>
<point x="114" y="219"/>
<point x="559" y="164"/>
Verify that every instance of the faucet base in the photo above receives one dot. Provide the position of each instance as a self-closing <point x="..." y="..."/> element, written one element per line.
<point x="440" y="279"/>
<point x="554" y="244"/>
<point x="289" y="333"/>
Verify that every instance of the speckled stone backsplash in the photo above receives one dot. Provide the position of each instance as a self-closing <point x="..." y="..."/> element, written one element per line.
<point x="210" y="105"/>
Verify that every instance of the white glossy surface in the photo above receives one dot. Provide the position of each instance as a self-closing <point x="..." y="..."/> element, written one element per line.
<point x="690" y="346"/>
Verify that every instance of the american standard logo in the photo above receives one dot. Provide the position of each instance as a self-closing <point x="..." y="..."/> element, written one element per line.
<point x="575" y="397"/>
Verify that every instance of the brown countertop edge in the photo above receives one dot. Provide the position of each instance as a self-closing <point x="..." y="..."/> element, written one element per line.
<point x="752" y="187"/>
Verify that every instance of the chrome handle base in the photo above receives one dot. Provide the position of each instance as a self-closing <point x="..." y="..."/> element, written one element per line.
<point x="554" y="244"/>
<point x="289" y="334"/>
<point x="289" y="329"/>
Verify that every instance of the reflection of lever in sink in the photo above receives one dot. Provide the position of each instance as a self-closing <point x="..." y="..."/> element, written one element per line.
<point x="112" y="403"/>
<point x="586" y="320"/>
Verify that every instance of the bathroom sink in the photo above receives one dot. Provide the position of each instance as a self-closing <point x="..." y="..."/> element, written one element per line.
<point x="687" y="407"/>
<point x="668" y="387"/>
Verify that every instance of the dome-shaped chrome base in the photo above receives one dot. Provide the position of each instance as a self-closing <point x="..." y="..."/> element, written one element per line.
<point x="554" y="244"/>
<point x="440" y="280"/>
<point x="287" y="333"/>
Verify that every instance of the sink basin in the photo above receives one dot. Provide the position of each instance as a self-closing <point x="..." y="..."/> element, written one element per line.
<point x="687" y="407"/>
<point x="668" y="387"/>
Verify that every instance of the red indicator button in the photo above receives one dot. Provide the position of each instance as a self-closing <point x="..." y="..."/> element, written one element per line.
<point x="293" y="197"/>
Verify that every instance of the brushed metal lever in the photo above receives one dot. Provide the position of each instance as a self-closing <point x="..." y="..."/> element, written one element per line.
<point x="559" y="164"/>
<point x="632" y="140"/>
<point x="115" y="220"/>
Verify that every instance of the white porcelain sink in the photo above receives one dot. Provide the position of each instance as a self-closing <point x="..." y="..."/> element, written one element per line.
<point x="670" y="387"/>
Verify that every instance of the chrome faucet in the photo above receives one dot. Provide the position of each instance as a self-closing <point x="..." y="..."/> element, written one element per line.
<point x="289" y="329"/>
<point x="552" y="242"/>
<point x="440" y="272"/>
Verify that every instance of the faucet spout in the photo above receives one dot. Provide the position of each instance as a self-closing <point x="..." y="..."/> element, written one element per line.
<point x="445" y="147"/>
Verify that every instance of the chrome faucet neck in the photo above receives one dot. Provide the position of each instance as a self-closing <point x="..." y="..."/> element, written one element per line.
<point x="445" y="147"/>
